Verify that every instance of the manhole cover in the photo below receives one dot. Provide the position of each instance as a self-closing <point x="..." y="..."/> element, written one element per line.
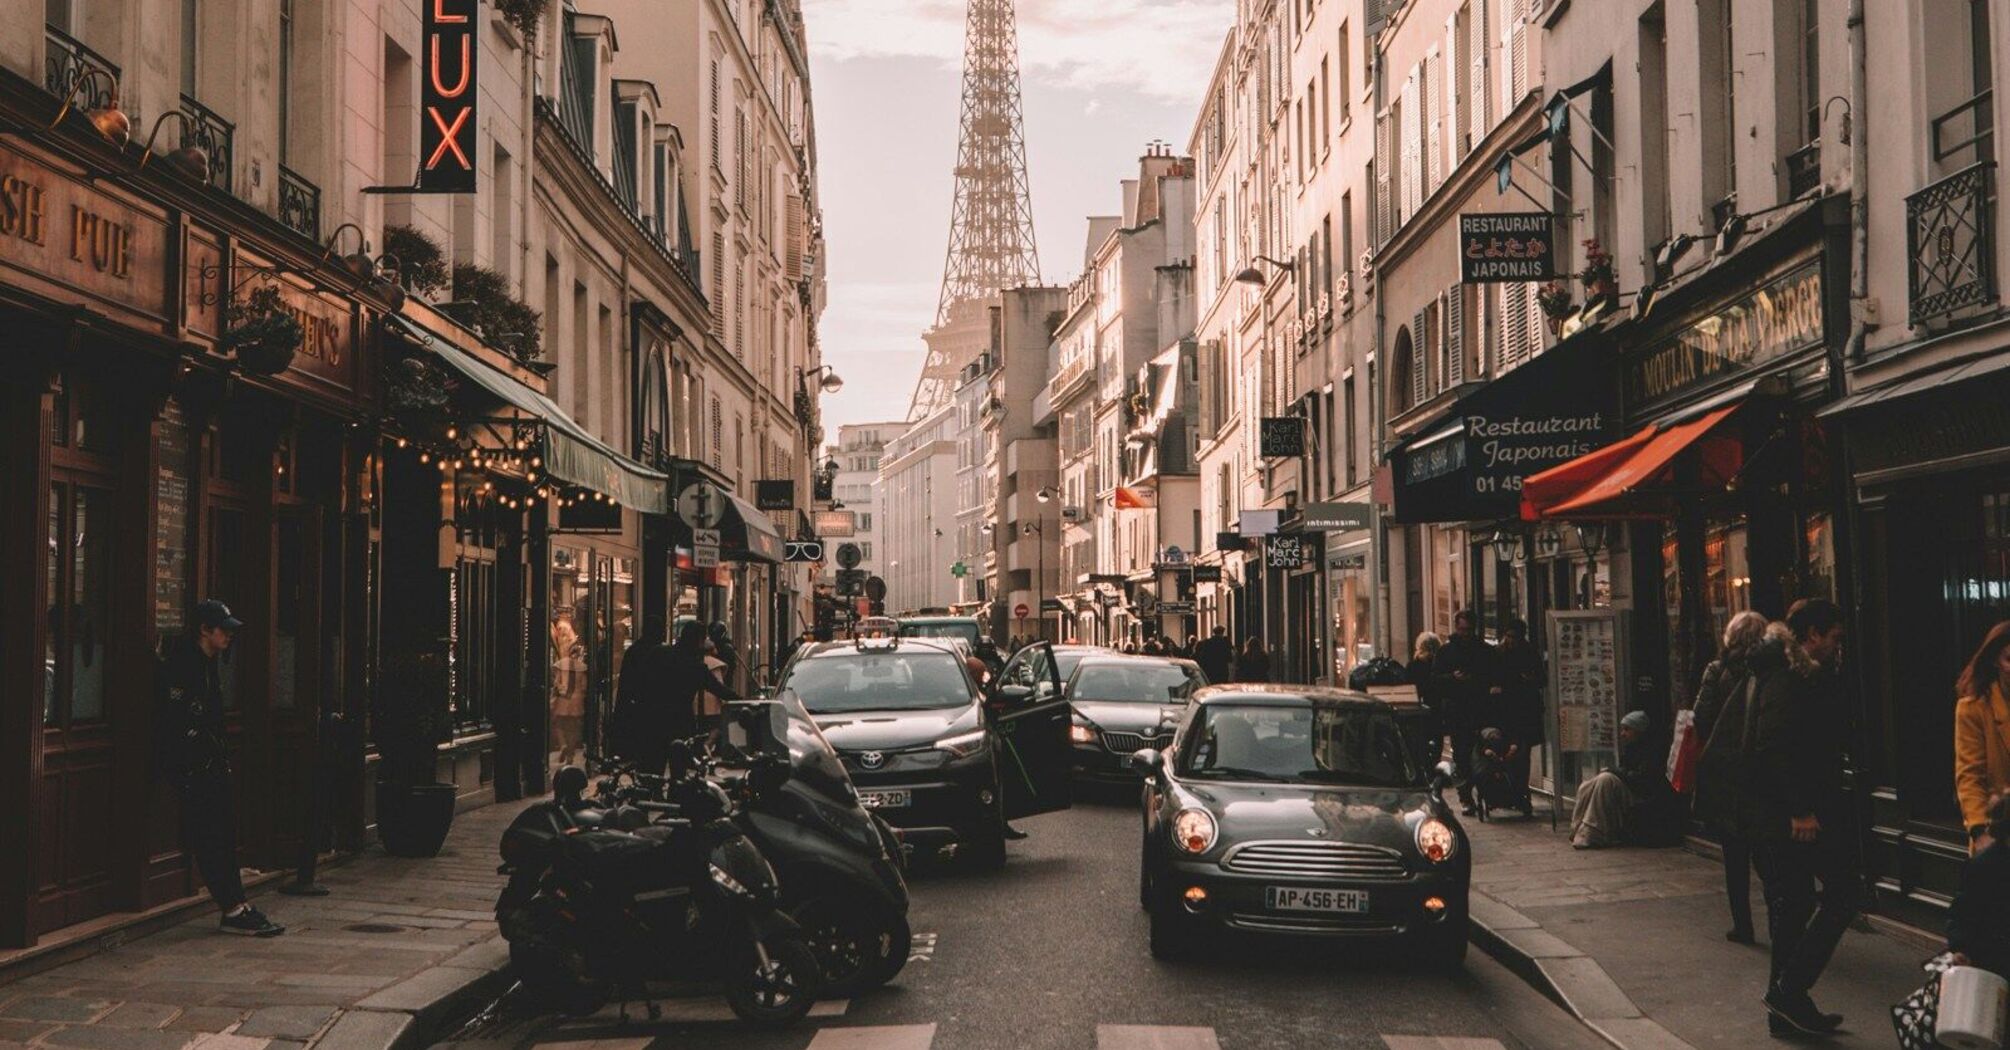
<point x="374" y="927"/>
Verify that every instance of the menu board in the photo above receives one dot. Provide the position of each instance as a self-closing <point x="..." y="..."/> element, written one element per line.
<point x="1584" y="662"/>
<point x="171" y="510"/>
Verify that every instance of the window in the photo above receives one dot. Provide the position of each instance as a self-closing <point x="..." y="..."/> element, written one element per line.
<point x="190" y="34"/>
<point x="1347" y="436"/>
<point x="1342" y="81"/>
<point x="712" y="115"/>
<point x="1325" y="107"/>
<point x="1343" y="288"/>
<point x="1811" y="69"/>
<point x="1718" y="75"/>
<point x="286" y="21"/>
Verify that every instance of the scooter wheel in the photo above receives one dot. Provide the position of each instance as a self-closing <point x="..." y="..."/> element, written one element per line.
<point x="857" y="948"/>
<point x="549" y="984"/>
<point x="781" y="991"/>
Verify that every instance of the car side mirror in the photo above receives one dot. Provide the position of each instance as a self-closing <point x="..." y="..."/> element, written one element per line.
<point x="1147" y="762"/>
<point x="1013" y="694"/>
<point x="1441" y="776"/>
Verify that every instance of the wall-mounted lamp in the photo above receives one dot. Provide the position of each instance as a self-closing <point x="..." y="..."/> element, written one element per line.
<point x="1252" y="275"/>
<point x="111" y="121"/>
<point x="189" y="161"/>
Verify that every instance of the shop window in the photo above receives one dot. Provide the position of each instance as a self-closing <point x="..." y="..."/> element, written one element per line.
<point x="230" y="582"/>
<point x="73" y="687"/>
<point x="286" y="614"/>
<point x="1818" y="560"/>
<point x="1727" y="575"/>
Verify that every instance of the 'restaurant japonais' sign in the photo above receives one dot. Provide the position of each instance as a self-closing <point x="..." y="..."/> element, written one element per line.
<point x="1507" y="246"/>
<point x="447" y="125"/>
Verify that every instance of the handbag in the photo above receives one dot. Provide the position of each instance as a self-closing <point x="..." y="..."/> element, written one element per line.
<point x="1917" y="1016"/>
<point x="1682" y="754"/>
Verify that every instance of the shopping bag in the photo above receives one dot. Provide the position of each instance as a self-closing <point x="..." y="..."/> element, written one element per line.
<point x="1918" y="1014"/>
<point x="1683" y="752"/>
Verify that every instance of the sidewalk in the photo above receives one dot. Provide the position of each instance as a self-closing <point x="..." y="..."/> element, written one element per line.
<point x="396" y="945"/>
<point x="1632" y="941"/>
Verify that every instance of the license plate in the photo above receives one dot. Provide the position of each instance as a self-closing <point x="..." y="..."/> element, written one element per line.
<point x="1298" y="898"/>
<point x="885" y="799"/>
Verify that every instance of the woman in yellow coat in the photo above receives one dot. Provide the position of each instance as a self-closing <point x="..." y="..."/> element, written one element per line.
<point x="1982" y="733"/>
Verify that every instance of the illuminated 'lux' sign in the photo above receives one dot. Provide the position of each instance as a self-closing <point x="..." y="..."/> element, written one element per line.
<point x="446" y="136"/>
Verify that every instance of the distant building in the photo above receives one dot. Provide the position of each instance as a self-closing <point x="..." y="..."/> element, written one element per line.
<point x="917" y="476"/>
<point x="856" y="487"/>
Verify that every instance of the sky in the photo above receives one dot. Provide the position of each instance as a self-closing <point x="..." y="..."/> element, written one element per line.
<point x="1100" y="79"/>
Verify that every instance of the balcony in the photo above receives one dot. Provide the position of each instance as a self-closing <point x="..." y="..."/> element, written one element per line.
<point x="69" y="61"/>
<point x="212" y="134"/>
<point x="1804" y="169"/>
<point x="299" y="204"/>
<point x="1951" y="242"/>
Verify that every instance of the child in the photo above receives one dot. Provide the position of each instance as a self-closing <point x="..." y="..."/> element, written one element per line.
<point x="1491" y="785"/>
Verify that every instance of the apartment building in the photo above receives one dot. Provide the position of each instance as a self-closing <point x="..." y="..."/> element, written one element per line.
<point x="855" y="487"/>
<point x="1022" y="558"/>
<point x="917" y="477"/>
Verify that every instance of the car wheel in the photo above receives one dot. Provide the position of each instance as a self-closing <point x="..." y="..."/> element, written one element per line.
<point x="1444" y="947"/>
<point x="985" y="850"/>
<point x="1172" y="934"/>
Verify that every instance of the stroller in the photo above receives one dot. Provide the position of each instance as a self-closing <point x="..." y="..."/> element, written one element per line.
<point x="1492" y="787"/>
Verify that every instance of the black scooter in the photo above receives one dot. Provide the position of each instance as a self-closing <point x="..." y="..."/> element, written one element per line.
<point x="600" y="901"/>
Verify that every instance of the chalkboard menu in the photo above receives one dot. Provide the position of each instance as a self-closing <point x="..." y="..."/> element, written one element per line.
<point x="171" y="510"/>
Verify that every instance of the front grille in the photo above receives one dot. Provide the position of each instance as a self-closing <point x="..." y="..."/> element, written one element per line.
<point x="1125" y="743"/>
<point x="1278" y="922"/>
<point x="1318" y="860"/>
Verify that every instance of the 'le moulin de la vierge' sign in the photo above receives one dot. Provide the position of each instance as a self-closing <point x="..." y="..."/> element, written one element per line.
<point x="447" y="128"/>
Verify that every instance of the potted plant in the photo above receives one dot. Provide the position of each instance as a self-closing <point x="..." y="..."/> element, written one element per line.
<point x="413" y="385"/>
<point x="501" y="319"/>
<point x="422" y="263"/>
<point x="1600" y="279"/>
<point x="261" y="332"/>
<point x="522" y="14"/>
<point x="410" y="721"/>
<point x="1556" y="302"/>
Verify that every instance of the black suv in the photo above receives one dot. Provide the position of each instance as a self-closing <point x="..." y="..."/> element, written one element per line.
<point x="923" y="750"/>
<point x="966" y="629"/>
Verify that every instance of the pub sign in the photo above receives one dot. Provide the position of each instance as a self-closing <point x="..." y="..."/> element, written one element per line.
<point x="447" y="123"/>
<point x="1507" y="246"/>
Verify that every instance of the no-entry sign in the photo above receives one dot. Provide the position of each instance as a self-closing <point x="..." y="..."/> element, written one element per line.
<point x="1022" y="610"/>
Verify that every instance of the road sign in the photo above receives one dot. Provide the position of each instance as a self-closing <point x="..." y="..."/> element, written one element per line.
<point x="1175" y="556"/>
<point x="959" y="570"/>
<point x="1175" y="608"/>
<point x="851" y="581"/>
<point x="1022" y="610"/>
<point x="705" y="537"/>
<point x="1052" y="605"/>
<point x="703" y="557"/>
<point x="701" y="505"/>
<point x="849" y="555"/>
<point x="803" y="550"/>
<point x="875" y="588"/>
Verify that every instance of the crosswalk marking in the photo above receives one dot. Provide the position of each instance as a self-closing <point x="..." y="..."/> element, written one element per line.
<point x="1154" y="1037"/>
<point x="1439" y="1042"/>
<point x="921" y="948"/>
<point x="877" y="1037"/>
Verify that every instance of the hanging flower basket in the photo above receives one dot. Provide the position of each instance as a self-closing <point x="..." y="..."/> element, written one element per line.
<point x="260" y="332"/>
<point x="1599" y="278"/>
<point x="414" y="386"/>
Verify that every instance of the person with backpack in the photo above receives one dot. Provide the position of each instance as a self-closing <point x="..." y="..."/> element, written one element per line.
<point x="1716" y="788"/>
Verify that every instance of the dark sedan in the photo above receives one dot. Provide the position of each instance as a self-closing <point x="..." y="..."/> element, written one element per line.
<point x="1122" y="704"/>
<point x="1301" y="811"/>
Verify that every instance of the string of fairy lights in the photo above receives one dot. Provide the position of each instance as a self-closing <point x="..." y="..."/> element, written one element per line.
<point x="518" y="464"/>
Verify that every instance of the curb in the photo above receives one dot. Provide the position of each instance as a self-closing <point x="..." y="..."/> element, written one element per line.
<point x="1570" y="978"/>
<point x="413" y="1012"/>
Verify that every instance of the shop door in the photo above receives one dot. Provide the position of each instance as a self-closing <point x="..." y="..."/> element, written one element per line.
<point x="598" y="637"/>
<point x="234" y="565"/>
<point x="78" y="821"/>
<point x="297" y="644"/>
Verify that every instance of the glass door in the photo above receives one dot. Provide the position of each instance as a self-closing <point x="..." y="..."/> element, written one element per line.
<point x="77" y="741"/>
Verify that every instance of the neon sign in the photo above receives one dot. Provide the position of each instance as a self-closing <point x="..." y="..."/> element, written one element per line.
<point x="447" y="128"/>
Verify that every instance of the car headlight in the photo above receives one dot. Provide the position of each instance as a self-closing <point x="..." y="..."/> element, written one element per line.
<point x="1081" y="733"/>
<point x="1193" y="830"/>
<point x="962" y="744"/>
<point x="1436" y="841"/>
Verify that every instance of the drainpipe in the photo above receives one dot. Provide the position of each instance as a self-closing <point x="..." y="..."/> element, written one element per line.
<point x="1859" y="195"/>
<point x="1378" y="526"/>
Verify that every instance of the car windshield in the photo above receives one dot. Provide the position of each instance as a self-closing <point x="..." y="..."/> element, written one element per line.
<point x="1143" y="681"/>
<point x="965" y="630"/>
<point x="1066" y="660"/>
<point x="879" y="681"/>
<point x="1352" y="745"/>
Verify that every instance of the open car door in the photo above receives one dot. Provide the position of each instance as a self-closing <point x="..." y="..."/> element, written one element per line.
<point x="1035" y="759"/>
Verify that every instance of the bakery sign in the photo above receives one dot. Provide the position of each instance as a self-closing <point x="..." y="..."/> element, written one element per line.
<point x="447" y="125"/>
<point x="1779" y="318"/>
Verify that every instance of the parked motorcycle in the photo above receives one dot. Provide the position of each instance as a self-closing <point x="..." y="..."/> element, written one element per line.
<point x="660" y="885"/>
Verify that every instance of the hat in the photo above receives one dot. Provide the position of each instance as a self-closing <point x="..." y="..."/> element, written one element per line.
<point x="213" y="613"/>
<point x="1635" y="720"/>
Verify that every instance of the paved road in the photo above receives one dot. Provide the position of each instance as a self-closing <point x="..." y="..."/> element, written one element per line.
<point x="1050" y="953"/>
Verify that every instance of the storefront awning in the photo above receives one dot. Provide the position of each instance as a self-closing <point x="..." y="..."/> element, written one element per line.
<point x="1635" y="477"/>
<point x="747" y="534"/>
<point x="571" y="455"/>
<point x="1993" y="364"/>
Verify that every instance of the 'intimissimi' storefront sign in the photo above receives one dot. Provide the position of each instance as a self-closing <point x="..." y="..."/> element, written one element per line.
<point x="1470" y="466"/>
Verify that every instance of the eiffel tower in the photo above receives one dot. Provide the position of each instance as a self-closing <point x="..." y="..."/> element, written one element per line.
<point x="991" y="224"/>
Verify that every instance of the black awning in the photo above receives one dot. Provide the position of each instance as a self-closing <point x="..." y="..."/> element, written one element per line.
<point x="1555" y="407"/>
<point x="748" y="534"/>
<point x="1993" y="364"/>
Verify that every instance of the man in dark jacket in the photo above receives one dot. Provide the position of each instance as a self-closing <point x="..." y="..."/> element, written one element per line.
<point x="192" y="760"/>
<point x="640" y="725"/>
<point x="1796" y="810"/>
<point x="1216" y="656"/>
<point x="1517" y="699"/>
<point x="1465" y="681"/>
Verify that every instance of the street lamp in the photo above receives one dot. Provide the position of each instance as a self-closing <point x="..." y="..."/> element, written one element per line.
<point x="831" y="382"/>
<point x="1252" y="275"/>
<point x="1046" y="494"/>
<point x="1034" y="528"/>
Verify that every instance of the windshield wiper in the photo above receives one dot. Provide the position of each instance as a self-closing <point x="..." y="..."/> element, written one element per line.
<point x="1339" y="776"/>
<point x="1236" y="771"/>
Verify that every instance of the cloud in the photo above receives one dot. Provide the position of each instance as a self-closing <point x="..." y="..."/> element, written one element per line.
<point x="1158" y="48"/>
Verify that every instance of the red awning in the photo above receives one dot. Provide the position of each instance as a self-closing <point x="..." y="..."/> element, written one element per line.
<point x="1634" y="478"/>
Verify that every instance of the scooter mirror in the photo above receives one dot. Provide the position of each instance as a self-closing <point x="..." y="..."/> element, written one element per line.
<point x="568" y="784"/>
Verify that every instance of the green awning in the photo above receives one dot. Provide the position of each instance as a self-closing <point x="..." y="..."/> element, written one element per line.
<point x="571" y="455"/>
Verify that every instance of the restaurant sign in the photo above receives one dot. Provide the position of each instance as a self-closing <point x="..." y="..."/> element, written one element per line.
<point x="1507" y="246"/>
<point x="447" y="125"/>
<point x="1781" y="317"/>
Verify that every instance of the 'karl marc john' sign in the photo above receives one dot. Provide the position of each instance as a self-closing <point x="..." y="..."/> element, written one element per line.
<point x="1777" y="319"/>
<point x="447" y="128"/>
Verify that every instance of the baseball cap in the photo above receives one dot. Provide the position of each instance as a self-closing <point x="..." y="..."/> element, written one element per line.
<point x="213" y="613"/>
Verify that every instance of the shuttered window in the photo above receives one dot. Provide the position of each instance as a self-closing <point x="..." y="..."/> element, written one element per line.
<point x="713" y="117"/>
<point x="1420" y="357"/>
<point x="1455" y="335"/>
<point x="1411" y="169"/>
<point x="1430" y="87"/>
<point x="1384" y="168"/>
<point x="1514" y="52"/>
<point x="797" y="236"/>
<point x="1479" y="91"/>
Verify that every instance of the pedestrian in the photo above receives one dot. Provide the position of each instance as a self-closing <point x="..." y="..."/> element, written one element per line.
<point x="642" y="726"/>
<point x="1422" y="674"/>
<point x="1797" y="811"/>
<point x="195" y="764"/>
<point x="1982" y="734"/>
<point x="1629" y="802"/>
<point x="1253" y="665"/>
<point x="1191" y="648"/>
<point x="1978" y="923"/>
<point x="1465" y="680"/>
<point x="1725" y="682"/>
<point x="568" y="689"/>
<point x="1216" y="656"/>
<point x="726" y="651"/>
<point x="1519" y="711"/>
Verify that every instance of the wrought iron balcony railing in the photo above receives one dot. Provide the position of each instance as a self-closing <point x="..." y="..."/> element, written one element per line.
<point x="212" y="134"/>
<point x="299" y="204"/>
<point x="1951" y="242"/>
<point x="69" y="60"/>
<point x="1804" y="169"/>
